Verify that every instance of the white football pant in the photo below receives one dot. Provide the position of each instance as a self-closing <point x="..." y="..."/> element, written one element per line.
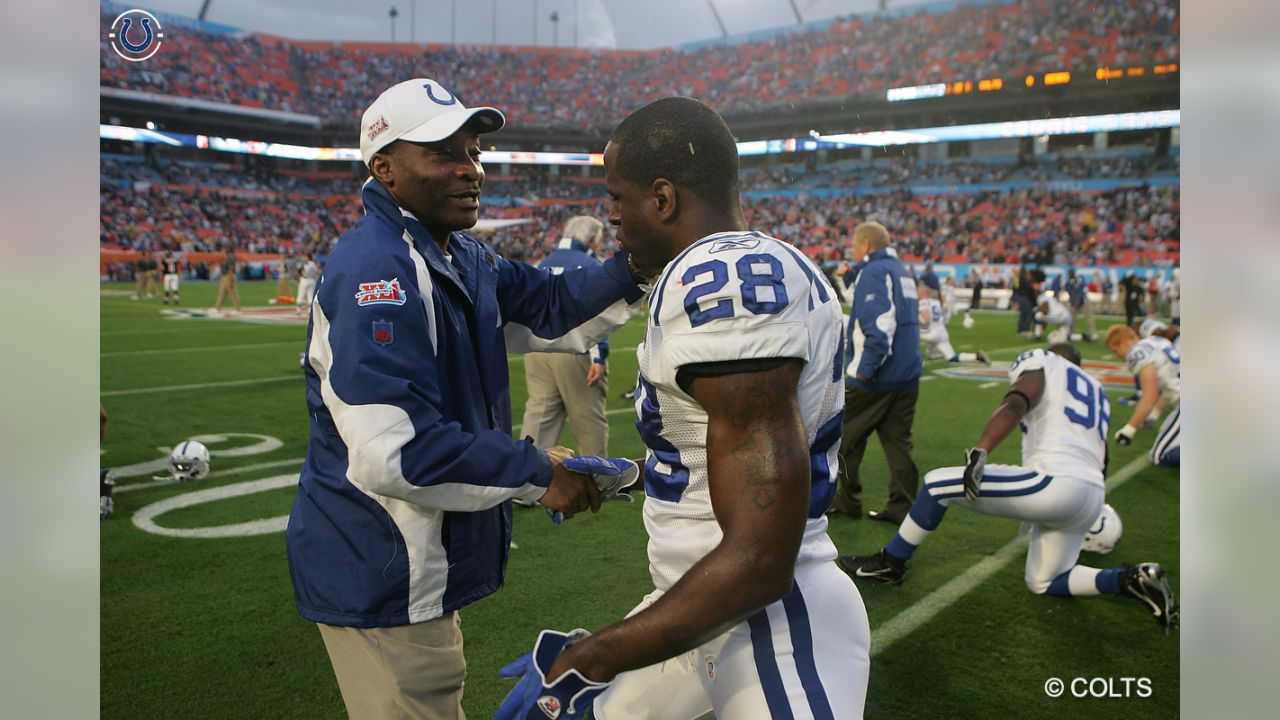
<point x="805" y="656"/>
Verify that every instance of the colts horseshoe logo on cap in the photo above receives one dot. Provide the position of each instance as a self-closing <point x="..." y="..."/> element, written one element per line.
<point x="450" y="99"/>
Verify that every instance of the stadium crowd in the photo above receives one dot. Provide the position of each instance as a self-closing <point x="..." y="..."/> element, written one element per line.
<point x="162" y="204"/>
<point x="887" y="173"/>
<point x="852" y="57"/>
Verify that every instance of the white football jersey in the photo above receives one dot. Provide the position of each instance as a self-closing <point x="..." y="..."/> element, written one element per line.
<point x="934" y="330"/>
<point x="1058" y="313"/>
<point x="732" y="296"/>
<point x="1065" y="434"/>
<point x="1157" y="351"/>
<point x="936" y="317"/>
<point x="1148" y="326"/>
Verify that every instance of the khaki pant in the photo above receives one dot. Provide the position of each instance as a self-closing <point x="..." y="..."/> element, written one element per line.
<point x="227" y="286"/>
<point x="406" y="672"/>
<point x="558" y="390"/>
<point x="1087" y="310"/>
<point x="890" y="416"/>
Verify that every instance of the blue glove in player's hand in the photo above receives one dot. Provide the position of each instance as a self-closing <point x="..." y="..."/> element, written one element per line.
<point x="568" y="698"/>
<point x="611" y="475"/>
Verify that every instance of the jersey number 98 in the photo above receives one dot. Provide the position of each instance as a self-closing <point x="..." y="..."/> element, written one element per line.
<point x="1096" y="406"/>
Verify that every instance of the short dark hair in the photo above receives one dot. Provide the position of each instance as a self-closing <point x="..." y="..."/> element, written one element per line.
<point x="683" y="140"/>
<point x="1068" y="351"/>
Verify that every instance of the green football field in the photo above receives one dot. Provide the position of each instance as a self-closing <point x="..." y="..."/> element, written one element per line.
<point x="198" y="619"/>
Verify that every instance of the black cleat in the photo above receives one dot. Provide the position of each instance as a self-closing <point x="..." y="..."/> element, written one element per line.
<point x="881" y="568"/>
<point x="884" y="517"/>
<point x="1147" y="583"/>
<point x="983" y="358"/>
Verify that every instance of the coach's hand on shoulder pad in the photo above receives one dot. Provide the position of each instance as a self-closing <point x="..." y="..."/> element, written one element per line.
<point x="975" y="464"/>
<point x="570" y="492"/>
<point x="570" y="696"/>
<point x="1124" y="435"/>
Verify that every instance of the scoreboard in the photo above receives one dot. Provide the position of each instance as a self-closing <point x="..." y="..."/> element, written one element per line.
<point x="1046" y="79"/>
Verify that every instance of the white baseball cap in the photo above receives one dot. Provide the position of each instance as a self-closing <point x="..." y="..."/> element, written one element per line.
<point x="419" y="110"/>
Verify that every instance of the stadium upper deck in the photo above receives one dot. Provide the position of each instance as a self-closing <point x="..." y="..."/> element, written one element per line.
<point x="852" y="58"/>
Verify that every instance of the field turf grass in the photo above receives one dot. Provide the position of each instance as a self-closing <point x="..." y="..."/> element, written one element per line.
<point x="206" y="627"/>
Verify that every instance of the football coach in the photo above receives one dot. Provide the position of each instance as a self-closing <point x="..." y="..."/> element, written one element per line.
<point x="403" y="512"/>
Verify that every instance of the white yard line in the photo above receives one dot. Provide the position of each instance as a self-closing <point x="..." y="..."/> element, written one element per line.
<point x="298" y="378"/>
<point x="924" y="610"/>
<point x="216" y="475"/>
<point x="986" y="386"/>
<point x="210" y="348"/>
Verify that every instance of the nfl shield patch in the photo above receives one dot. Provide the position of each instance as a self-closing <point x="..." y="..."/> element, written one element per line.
<point x="382" y="332"/>
<point x="550" y="706"/>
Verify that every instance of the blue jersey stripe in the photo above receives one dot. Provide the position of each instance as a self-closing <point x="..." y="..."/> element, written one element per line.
<point x="817" y="283"/>
<point x="775" y="693"/>
<point x="802" y="648"/>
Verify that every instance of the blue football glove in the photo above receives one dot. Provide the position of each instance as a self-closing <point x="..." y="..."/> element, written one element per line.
<point x="570" y="697"/>
<point x="611" y="475"/>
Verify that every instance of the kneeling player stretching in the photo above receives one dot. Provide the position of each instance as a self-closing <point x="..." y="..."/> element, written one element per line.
<point x="1058" y="490"/>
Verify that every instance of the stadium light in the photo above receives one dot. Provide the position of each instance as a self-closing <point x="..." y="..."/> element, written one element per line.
<point x="555" y="29"/>
<point x="393" y="13"/>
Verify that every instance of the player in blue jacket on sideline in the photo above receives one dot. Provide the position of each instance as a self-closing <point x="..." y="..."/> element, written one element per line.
<point x="882" y="376"/>
<point x="403" y="511"/>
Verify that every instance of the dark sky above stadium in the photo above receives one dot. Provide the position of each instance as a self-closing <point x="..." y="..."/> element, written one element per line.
<point x="602" y="23"/>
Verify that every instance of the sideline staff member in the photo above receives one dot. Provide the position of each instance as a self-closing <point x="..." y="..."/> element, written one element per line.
<point x="572" y="387"/>
<point x="402" y="514"/>
<point x="882" y="379"/>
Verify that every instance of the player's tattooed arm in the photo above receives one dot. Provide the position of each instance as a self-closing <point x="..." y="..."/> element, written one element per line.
<point x="1023" y="396"/>
<point x="758" y="462"/>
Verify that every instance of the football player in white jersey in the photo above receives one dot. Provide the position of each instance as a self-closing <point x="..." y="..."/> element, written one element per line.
<point x="1157" y="367"/>
<point x="948" y="291"/>
<point x="1151" y="326"/>
<point x="1058" y="490"/>
<point x="740" y="402"/>
<point x="1052" y="311"/>
<point x="933" y="332"/>
<point x="308" y="274"/>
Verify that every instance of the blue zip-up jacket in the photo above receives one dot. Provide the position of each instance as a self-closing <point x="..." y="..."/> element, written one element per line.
<point x="402" y="509"/>
<point x="884" y="325"/>
<point x="569" y="254"/>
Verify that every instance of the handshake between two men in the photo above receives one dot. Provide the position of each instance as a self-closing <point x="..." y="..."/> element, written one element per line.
<point x="587" y="482"/>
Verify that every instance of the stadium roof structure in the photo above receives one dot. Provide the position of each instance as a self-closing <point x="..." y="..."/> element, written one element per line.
<point x="1009" y="99"/>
